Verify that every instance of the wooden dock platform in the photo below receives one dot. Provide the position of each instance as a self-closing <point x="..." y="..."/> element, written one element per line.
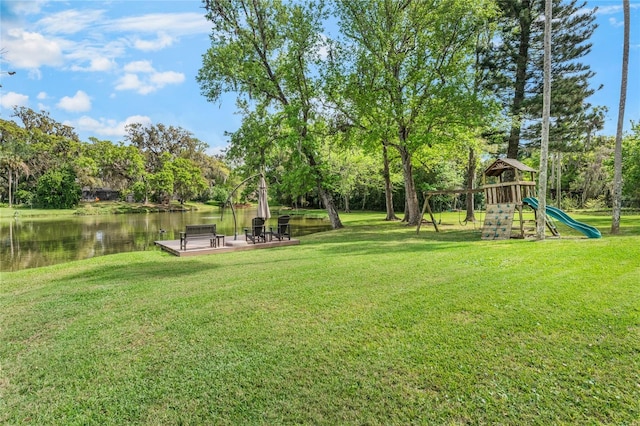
<point x="200" y="247"/>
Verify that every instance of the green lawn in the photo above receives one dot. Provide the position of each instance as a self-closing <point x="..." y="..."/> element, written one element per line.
<point x="371" y="324"/>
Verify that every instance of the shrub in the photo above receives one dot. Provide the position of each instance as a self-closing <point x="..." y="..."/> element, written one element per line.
<point x="58" y="189"/>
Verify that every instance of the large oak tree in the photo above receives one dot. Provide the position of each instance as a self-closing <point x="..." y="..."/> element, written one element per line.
<point x="267" y="52"/>
<point x="413" y="62"/>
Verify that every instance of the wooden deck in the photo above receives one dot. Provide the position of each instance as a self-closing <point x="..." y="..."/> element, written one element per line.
<point x="200" y="247"/>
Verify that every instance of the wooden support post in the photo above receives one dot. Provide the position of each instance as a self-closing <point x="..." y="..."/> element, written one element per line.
<point x="433" y="220"/>
<point x="425" y="207"/>
<point x="519" y="207"/>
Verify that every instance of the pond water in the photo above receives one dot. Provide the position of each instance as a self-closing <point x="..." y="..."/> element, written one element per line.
<point x="33" y="242"/>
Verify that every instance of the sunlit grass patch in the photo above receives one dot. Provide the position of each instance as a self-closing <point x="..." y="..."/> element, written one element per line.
<point x="373" y="323"/>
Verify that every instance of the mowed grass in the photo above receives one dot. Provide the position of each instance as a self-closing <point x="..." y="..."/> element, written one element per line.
<point x="371" y="324"/>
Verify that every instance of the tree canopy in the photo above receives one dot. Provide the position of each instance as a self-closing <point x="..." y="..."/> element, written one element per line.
<point x="351" y="104"/>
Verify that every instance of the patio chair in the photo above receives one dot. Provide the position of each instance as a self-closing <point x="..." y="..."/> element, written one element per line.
<point x="283" y="229"/>
<point x="257" y="232"/>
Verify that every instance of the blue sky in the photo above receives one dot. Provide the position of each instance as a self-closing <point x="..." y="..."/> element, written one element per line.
<point x="99" y="65"/>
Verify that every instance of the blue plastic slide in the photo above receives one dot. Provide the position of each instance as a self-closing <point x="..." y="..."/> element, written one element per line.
<point x="561" y="216"/>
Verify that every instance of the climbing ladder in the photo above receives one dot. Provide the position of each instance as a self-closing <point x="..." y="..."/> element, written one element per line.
<point x="498" y="221"/>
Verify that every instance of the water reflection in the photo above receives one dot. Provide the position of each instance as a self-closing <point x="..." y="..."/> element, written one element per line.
<point x="32" y="242"/>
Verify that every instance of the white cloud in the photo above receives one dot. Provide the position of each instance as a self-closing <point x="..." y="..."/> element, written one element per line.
<point x="31" y="50"/>
<point x="78" y="103"/>
<point x="132" y="82"/>
<point x="161" y="79"/>
<point x="615" y="23"/>
<point x="108" y="127"/>
<point x="94" y="57"/>
<point x="42" y="95"/>
<point x="161" y="42"/>
<point x="177" y="24"/>
<point x="608" y="10"/>
<point x="44" y="47"/>
<point x="128" y="82"/>
<point x="27" y="7"/>
<point x="141" y="119"/>
<point x="70" y="21"/>
<point x="34" y="74"/>
<point x="142" y="78"/>
<point x="11" y="99"/>
<point x="613" y="8"/>
<point x="101" y="64"/>
<point x="139" y="66"/>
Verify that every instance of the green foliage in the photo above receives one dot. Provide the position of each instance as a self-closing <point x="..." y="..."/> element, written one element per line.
<point x="24" y="197"/>
<point x="598" y="203"/>
<point x="161" y="183"/>
<point x="119" y="166"/>
<point x="58" y="189"/>
<point x="154" y="141"/>
<point x="139" y="190"/>
<point x="409" y="69"/>
<point x="316" y="111"/>
<point x="631" y="165"/>
<point x="219" y="195"/>
<point x="514" y="62"/>
<point x="267" y="53"/>
<point x="14" y="154"/>
<point x="86" y="169"/>
<point x="33" y="156"/>
<point x="188" y="181"/>
<point x="43" y="123"/>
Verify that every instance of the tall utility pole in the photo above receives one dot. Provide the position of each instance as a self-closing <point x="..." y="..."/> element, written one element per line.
<point x="546" y="112"/>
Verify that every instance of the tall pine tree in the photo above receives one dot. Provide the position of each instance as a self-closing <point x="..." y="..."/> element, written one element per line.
<point x="515" y="62"/>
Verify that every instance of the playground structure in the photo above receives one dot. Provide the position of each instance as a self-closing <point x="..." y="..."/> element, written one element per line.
<point x="512" y="187"/>
<point x="504" y="198"/>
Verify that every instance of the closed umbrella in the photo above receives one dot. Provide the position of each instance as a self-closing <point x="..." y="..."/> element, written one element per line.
<point x="263" y="203"/>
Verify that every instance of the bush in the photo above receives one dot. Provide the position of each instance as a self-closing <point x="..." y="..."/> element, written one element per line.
<point x="599" y="203"/>
<point x="569" y="203"/>
<point x="219" y="195"/>
<point x="58" y="189"/>
<point x="24" y="197"/>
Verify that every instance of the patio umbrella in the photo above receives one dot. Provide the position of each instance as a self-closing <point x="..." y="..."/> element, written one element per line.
<point x="263" y="203"/>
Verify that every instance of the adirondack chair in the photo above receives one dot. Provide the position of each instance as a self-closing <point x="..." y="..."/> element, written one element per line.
<point x="283" y="229"/>
<point x="257" y="232"/>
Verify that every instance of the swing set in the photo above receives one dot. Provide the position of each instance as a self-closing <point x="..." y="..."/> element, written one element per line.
<point x="503" y="198"/>
<point x="427" y="204"/>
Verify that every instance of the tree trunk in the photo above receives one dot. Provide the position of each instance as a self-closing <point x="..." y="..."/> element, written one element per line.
<point x="388" y="187"/>
<point x="330" y="204"/>
<point x="347" y="207"/>
<point x="412" y="214"/>
<point x="405" y="212"/>
<point x="559" y="180"/>
<point x="471" y="183"/>
<point x="325" y="197"/>
<point x="617" y="174"/>
<point x="546" y="112"/>
<point x="10" y="185"/>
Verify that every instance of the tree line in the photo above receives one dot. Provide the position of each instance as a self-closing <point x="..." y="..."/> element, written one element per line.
<point x="352" y="104"/>
<point x="46" y="165"/>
